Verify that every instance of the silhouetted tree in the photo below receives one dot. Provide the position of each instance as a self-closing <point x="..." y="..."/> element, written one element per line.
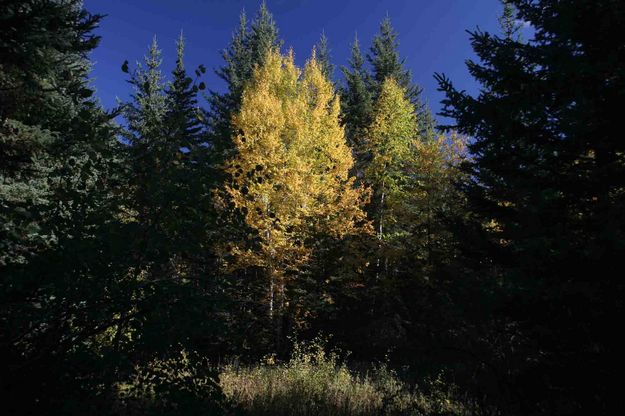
<point x="547" y="195"/>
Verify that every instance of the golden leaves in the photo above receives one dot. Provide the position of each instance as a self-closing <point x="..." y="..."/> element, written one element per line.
<point x="290" y="178"/>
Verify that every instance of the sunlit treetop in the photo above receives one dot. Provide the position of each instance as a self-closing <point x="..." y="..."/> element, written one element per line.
<point x="290" y="178"/>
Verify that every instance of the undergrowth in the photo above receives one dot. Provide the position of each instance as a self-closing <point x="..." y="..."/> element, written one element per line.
<point x="317" y="382"/>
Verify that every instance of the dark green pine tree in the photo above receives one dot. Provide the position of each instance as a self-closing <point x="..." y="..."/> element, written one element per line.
<point x="356" y="99"/>
<point x="183" y="117"/>
<point x="322" y="52"/>
<point x="263" y="36"/>
<point x="155" y="167"/>
<point x="61" y="241"/>
<point x="187" y="180"/>
<point x="386" y="62"/>
<point x="223" y="105"/>
<point x="146" y="112"/>
<point x="154" y="155"/>
<point x="170" y="200"/>
<point x="250" y="43"/>
<point x="547" y="193"/>
<point x="508" y="22"/>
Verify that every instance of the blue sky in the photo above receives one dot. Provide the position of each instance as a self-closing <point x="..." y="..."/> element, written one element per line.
<point x="432" y="34"/>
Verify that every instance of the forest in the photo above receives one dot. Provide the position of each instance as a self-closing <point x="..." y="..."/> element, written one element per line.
<point x="310" y="240"/>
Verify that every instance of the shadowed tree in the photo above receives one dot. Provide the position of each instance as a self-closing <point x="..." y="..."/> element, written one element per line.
<point x="151" y="152"/>
<point x="547" y="193"/>
<point x="189" y="189"/>
<point x="356" y="99"/>
<point x="510" y="27"/>
<point x="61" y="240"/>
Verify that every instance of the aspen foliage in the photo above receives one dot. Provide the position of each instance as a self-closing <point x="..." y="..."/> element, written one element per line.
<point x="412" y="176"/>
<point x="290" y="178"/>
<point x="391" y="145"/>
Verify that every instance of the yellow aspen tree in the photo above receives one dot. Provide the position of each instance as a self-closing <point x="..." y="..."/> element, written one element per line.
<point x="290" y="177"/>
<point x="412" y="177"/>
<point x="391" y="145"/>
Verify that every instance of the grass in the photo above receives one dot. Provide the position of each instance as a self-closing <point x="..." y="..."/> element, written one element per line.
<point x="314" y="382"/>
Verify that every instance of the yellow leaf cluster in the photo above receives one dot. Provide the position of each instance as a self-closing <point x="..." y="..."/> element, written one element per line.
<point x="391" y="141"/>
<point x="290" y="177"/>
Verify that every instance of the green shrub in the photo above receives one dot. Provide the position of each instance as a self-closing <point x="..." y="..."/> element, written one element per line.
<point x="180" y="385"/>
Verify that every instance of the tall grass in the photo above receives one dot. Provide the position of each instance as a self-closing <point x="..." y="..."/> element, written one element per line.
<point x="315" y="382"/>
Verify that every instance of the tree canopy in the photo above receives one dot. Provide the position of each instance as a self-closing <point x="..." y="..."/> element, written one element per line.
<point x="185" y="252"/>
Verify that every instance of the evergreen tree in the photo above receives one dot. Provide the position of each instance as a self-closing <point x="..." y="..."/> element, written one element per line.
<point x="547" y="195"/>
<point x="30" y="79"/>
<point x="189" y="181"/>
<point x="151" y="152"/>
<point x="183" y="118"/>
<point x="386" y="63"/>
<point x="62" y="241"/>
<point x="507" y="21"/>
<point x="223" y="105"/>
<point x="248" y="49"/>
<point x="363" y="88"/>
<point x="356" y="99"/>
<point x="263" y="37"/>
<point x="146" y="112"/>
<point x="24" y="189"/>
<point x="323" y="56"/>
<point x="167" y="206"/>
<point x="166" y="189"/>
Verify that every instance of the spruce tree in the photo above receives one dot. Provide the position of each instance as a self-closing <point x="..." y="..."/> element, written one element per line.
<point x="165" y="147"/>
<point x="146" y="112"/>
<point x="263" y="37"/>
<point x="167" y="206"/>
<point x="547" y="172"/>
<point x="507" y="21"/>
<point x="189" y="181"/>
<point x="356" y="99"/>
<point x="151" y="152"/>
<point x="323" y="56"/>
<point x="183" y="118"/>
<point x="250" y="44"/>
<point x="386" y="63"/>
<point x="61" y="238"/>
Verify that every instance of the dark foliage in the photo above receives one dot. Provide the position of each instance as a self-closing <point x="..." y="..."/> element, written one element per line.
<point x="547" y="197"/>
<point x="504" y="273"/>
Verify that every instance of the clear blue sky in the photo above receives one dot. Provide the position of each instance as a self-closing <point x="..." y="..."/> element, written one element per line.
<point x="432" y="34"/>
